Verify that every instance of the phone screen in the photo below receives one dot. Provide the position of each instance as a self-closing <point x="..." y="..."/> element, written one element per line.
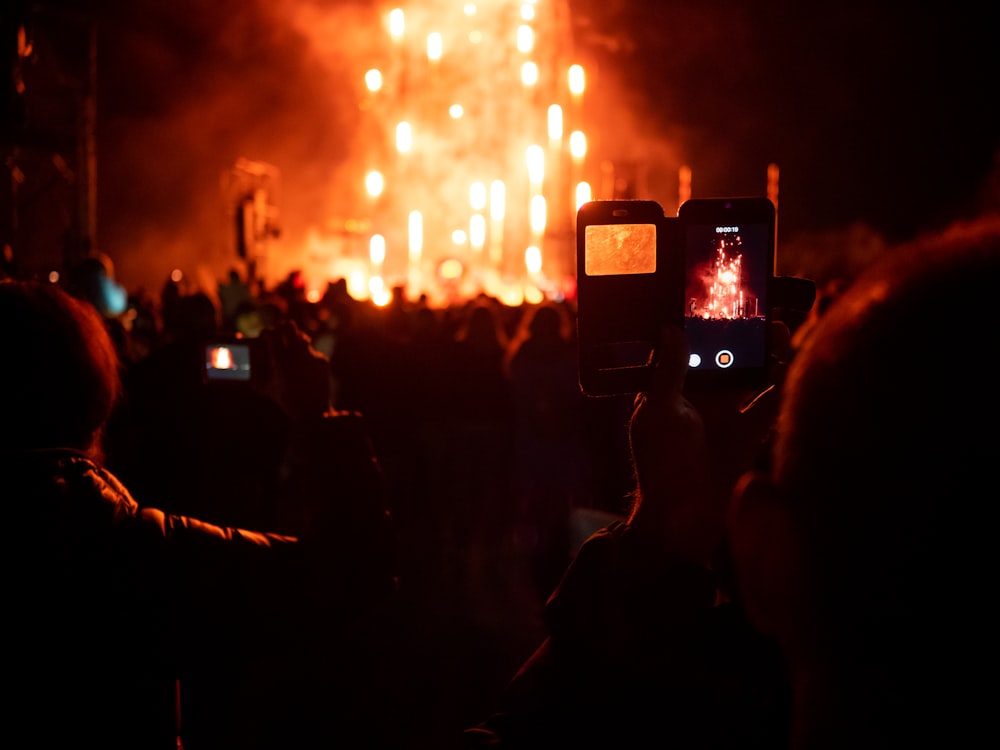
<point x="728" y="266"/>
<point x="619" y="249"/>
<point x="626" y="250"/>
<point x="227" y="361"/>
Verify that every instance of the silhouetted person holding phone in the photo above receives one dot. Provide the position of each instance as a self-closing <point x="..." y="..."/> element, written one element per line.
<point x="857" y="541"/>
<point x="112" y="606"/>
<point x="647" y="643"/>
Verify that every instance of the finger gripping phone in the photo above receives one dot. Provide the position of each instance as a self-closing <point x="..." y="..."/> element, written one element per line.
<point x="629" y="268"/>
<point x="729" y="257"/>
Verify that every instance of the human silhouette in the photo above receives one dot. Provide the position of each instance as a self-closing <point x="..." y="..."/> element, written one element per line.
<point x="861" y="545"/>
<point x="122" y="613"/>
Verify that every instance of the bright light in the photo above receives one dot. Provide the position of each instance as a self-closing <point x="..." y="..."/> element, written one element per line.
<point x="396" y="23"/>
<point x="373" y="79"/>
<point x="477" y="196"/>
<point x="528" y="12"/>
<point x="533" y="259"/>
<point x="53" y="277"/>
<point x="577" y="83"/>
<point x="314" y="295"/>
<point x="382" y="297"/>
<point x="583" y="194"/>
<point x="434" y="46"/>
<point x="555" y="122"/>
<point x="374" y="183"/>
<point x="222" y="358"/>
<point x="456" y="111"/>
<point x="470" y="9"/>
<point x="498" y="196"/>
<point x="357" y="284"/>
<point x="176" y="275"/>
<point x="537" y="214"/>
<point x="525" y="38"/>
<point x="475" y="36"/>
<point x="404" y="137"/>
<point x="577" y="144"/>
<point x="512" y="296"/>
<point x="536" y="164"/>
<point x="458" y="237"/>
<point x="376" y="284"/>
<point x="533" y="295"/>
<point x="415" y="225"/>
<point x="376" y="249"/>
<point x="450" y="269"/>
<point x="477" y="231"/>
<point x="529" y="74"/>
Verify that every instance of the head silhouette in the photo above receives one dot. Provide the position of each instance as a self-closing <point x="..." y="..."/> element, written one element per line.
<point x="59" y="376"/>
<point x="864" y="542"/>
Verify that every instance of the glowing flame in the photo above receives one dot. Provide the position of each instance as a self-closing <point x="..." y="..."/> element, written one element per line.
<point x="529" y="73"/>
<point x="497" y="200"/>
<point x="357" y="283"/>
<point x="434" y="46"/>
<point x="221" y="358"/>
<point x="535" y="158"/>
<point x="723" y="280"/>
<point x="451" y="269"/>
<point x="415" y="232"/>
<point x="374" y="183"/>
<point x="376" y="249"/>
<point x="440" y="113"/>
<point x="525" y="38"/>
<point x="477" y="231"/>
<point x="533" y="259"/>
<point x="477" y="196"/>
<point x="396" y="23"/>
<point x="555" y="121"/>
<point x="511" y="296"/>
<point x="538" y="212"/>
<point x="404" y="137"/>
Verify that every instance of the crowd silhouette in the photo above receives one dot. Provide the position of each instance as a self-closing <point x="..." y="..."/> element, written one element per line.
<point x="409" y="527"/>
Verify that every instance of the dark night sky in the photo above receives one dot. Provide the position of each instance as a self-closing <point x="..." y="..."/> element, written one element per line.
<point x="873" y="114"/>
<point x="882" y="120"/>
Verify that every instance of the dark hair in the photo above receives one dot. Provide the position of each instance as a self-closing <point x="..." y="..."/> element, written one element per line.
<point x="59" y="374"/>
<point x="887" y="437"/>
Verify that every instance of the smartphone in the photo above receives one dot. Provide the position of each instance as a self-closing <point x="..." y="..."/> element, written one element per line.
<point x="227" y="361"/>
<point x="729" y="267"/>
<point x="629" y="268"/>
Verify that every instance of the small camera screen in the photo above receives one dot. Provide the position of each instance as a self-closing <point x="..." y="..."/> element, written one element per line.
<point x="227" y="361"/>
<point x="725" y="295"/>
<point x="619" y="249"/>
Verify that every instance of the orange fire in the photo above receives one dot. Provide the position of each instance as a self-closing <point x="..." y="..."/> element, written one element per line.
<point x="724" y="283"/>
<point x="222" y="358"/>
<point x="467" y="96"/>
